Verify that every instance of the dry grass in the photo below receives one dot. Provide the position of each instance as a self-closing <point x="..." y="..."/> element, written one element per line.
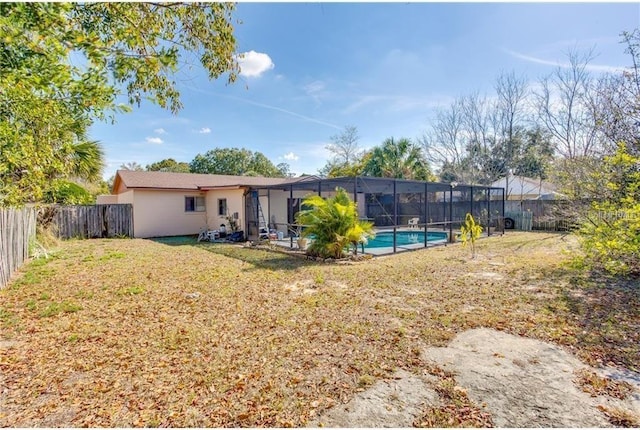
<point x="141" y="333"/>
<point x="620" y="417"/>
<point x="596" y="385"/>
<point x="457" y="410"/>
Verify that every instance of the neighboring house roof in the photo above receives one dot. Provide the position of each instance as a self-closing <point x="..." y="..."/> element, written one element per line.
<point x="192" y="181"/>
<point x="522" y="185"/>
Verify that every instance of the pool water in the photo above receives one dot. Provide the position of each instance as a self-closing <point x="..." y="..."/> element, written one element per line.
<point x="385" y="239"/>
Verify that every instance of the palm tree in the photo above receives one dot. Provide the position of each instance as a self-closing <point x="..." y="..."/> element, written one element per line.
<point x="398" y="159"/>
<point x="334" y="224"/>
<point x="86" y="159"/>
<point x="133" y="166"/>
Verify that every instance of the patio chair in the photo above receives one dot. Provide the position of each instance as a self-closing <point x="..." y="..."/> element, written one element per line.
<point x="413" y="223"/>
<point x="213" y="235"/>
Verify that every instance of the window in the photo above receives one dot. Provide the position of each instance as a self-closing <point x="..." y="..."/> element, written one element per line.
<point x="194" y="204"/>
<point x="222" y="207"/>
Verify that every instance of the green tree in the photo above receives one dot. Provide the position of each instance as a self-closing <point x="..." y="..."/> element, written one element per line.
<point x="41" y="140"/>
<point x="63" y="65"/>
<point x="398" y="159"/>
<point x="610" y="234"/>
<point x="353" y="169"/>
<point x="334" y="224"/>
<point x="285" y="170"/>
<point x="68" y="193"/>
<point x="137" y="46"/>
<point x="168" y="165"/>
<point x="235" y="161"/>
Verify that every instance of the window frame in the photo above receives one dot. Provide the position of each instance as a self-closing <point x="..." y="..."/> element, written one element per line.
<point x="194" y="207"/>
<point x="225" y="207"/>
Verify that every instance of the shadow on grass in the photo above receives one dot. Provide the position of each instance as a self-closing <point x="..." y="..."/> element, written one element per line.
<point x="259" y="257"/>
<point x="607" y="310"/>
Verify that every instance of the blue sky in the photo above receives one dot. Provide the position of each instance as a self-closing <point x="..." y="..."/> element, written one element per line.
<point x="313" y="68"/>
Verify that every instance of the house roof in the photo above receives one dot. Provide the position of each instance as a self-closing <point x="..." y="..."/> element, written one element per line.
<point x="527" y="185"/>
<point x="192" y="181"/>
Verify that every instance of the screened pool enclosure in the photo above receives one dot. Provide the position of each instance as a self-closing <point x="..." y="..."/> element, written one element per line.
<point x="406" y="214"/>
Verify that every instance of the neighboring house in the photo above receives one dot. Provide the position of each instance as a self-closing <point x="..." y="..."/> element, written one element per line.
<point x="523" y="188"/>
<point x="173" y="204"/>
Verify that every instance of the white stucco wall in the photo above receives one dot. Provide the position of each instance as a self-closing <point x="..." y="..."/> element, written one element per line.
<point x="126" y="197"/>
<point x="161" y="213"/>
<point x="275" y="209"/>
<point x="278" y="207"/>
<point x="107" y="199"/>
<point x="235" y="203"/>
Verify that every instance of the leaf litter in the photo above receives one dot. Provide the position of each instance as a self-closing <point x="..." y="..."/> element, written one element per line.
<point x="210" y="335"/>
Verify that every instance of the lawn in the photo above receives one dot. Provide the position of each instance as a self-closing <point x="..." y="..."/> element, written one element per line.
<point x="132" y="333"/>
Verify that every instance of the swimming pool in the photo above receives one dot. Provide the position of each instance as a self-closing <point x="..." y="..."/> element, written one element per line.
<point x="384" y="239"/>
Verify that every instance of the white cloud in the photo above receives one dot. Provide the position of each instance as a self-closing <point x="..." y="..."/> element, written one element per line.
<point x="565" y="65"/>
<point x="315" y="90"/>
<point x="291" y="156"/>
<point x="154" y="140"/>
<point x="160" y="131"/>
<point x="397" y="103"/>
<point x="314" y="87"/>
<point x="253" y="64"/>
<point x="204" y="130"/>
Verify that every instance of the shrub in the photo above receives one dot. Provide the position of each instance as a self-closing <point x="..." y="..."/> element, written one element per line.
<point x="610" y="239"/>
<point x="610" y="232"/>
<point x="334" y="224"/>
<point x="470" y="232"/>
<point x="68" y="193"/>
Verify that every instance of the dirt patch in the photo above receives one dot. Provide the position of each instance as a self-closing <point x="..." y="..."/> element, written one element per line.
<point x="487" y="275"/>
<point x="521" y="382"/>
<point x="6" y="344"/>
<point x="390" y="403"/>
<point x="310" y="286"/>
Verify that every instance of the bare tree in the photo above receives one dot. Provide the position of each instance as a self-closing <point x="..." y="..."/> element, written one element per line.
<point x="563" y="108"/>
<point x="444" y="144"/>
<point x="512" y="92"/>
<point x="616" y="103"/>
<point x="345" y="147"/>
<point x="347" y="154"/>
<point x="481" y="125"/>
<point x="479" y="138"/>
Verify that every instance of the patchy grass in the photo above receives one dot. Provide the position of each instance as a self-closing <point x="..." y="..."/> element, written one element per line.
<point x="53" y="309"/>
<point x="187" y="334"/>
<point x="457" y="409"/>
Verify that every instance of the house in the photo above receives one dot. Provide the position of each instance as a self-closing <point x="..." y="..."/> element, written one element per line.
<point x="173" y="204"/>
<point x="523" y="188"/>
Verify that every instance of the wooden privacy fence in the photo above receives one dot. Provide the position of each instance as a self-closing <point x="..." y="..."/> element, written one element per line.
<point x="17" y="229"/>
<point x="550" y="215"/>
<point x="113" y="220"/>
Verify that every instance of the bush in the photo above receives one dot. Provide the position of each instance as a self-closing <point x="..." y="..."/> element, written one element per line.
<point x="68" y="193"/>
<point x="610" y="233"/>
<point x="470" y="231"/>
<point x="334" y="225"/>
<point x="610" y="239"/>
